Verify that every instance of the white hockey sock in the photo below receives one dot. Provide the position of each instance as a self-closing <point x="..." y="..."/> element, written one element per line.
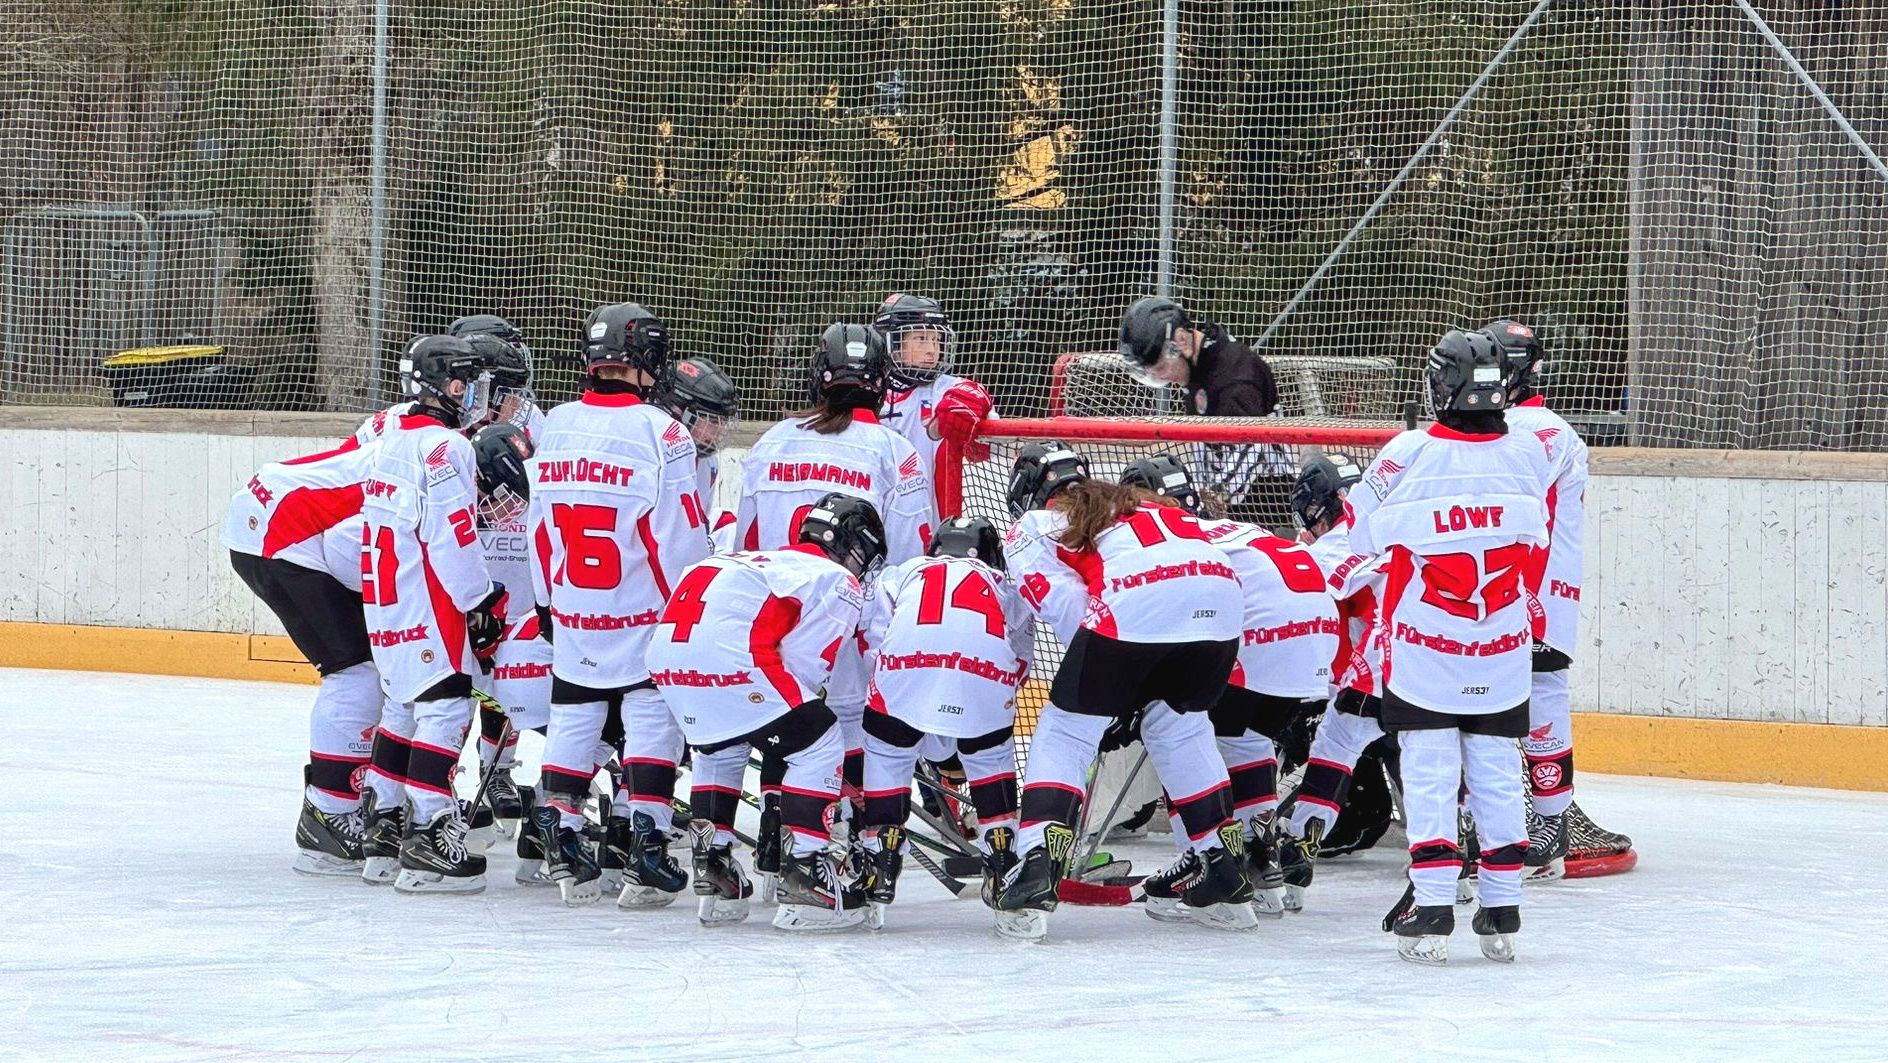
<point x="1549" y="743"/>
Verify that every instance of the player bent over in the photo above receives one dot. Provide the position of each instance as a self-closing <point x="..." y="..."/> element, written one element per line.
<point x="1157" y="643"/>
<point x="951" y="642"/>
<point x="430" y="603"/>
<point x="1283" y="672"/>
<point x="614" y="522"/>
<point x="744" y="646"/>
<point x="1459" y="508"/>
<point x="520" y="679"/>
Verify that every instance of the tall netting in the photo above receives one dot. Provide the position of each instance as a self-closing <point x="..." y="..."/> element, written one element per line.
<point x="1260" y="451"/>
<point x="1647" y="182"/>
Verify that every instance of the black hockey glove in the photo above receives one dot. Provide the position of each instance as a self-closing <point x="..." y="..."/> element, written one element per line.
<point x="544" y="622"/>
<point x="485" y="626"/>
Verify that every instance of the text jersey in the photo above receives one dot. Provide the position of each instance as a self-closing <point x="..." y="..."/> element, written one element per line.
<point x="909" y="414"/>
<point x="950" y="642"/>
<point x="1291" y="622"/>
<point x="614" y="522"/>
<point x="305" y="511"/>
<point x="1460" y="516"/>
<point x="750" y="636"/>
<point x="1559" y="590"/>
<point x="792" y="467"/>
<point x="1355" y="581"/>
<point x="421" y="566"/>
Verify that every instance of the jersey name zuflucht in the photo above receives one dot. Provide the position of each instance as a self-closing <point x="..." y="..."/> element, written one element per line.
<point x="584" y="471"/>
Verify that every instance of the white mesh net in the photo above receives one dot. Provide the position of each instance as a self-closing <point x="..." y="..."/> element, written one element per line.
<point x="1700" y="245"/>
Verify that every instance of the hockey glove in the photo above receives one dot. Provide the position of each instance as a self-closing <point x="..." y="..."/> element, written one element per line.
<point x="544" y="622"/>
<point x="960" y="410"/>
<point x="485" y="626"/>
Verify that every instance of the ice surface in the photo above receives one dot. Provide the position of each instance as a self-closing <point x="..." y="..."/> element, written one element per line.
<point x="149" y="913"/>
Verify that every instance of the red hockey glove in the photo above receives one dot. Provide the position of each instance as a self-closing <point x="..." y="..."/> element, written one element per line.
<point x="960" y="410"/>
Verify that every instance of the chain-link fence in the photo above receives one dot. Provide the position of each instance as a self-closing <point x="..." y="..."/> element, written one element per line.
<point x="305" y="186"/>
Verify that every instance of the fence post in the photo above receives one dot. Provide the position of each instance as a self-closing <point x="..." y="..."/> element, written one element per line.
<point x="377" y="235"/>
<point x="1169" y="142"/>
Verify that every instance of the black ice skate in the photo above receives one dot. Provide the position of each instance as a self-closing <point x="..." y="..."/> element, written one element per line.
<point x="1209" y="887"/>
<point x="814" y="896"/>
<point x="1594" y="850"/>
<point x="768" y="845"/>
<point x="615" y="839"/>
<point x="1471" y="848"/>
<point x="434" y="858"/>
<point x="330" y="842"/>
<point x="481" y="827"/>
<point x="382" y="829"/>
<point x="507" y="804"/>
<point x="1546" y="858"/>
<point x="1422" y="931"/>
<point x="1297" y="862"/>
<point x="568" y="859"/>
<point x="1268" y="880"/>
<point x="723" y="889"/>
<point x="1029" y="893"/>
<point x="880" y="878"/>
<point x="1495" y="929"/>
<point x="998" y="859"/>
<point x="651" y="877"/>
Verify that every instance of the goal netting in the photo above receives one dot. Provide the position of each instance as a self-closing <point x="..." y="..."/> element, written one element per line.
<point x="265" y="201"/>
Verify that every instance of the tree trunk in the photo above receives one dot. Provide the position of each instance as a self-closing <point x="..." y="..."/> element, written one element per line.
<point x="337" y="156"/>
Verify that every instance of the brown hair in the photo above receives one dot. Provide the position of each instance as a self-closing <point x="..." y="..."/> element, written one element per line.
<point x="1093" y="506"/>
<point x="824" y="419"/>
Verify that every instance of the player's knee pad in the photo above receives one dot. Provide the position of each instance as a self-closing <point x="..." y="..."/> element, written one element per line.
<point x="891" y="730"/>
<point x="1504" y="858"/>
<point x="1435" y="852"/>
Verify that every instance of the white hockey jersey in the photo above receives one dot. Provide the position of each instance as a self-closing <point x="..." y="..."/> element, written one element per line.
<point x="909" y="414"/>
<point x="614" y="522"/>
<point x="1034" y="553"/>
<point x="1559" y="589"/>
<point x="1291" y="622"/>
<point x="1356" y="581"/>
<point x="1460" y="516"/>
<point x="792" y="467"/>
<point x="379" y="424"/>
<point x="306" y="511"/>
<point x="421" y="566"/>
<point x="749" y="636"/>
<point x="950" y="641"/>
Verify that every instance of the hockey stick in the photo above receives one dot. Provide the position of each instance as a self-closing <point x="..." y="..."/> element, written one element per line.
<point x="1094" y="842"/>
<point x="486" y="771"/>
<point x="956" y="886"/>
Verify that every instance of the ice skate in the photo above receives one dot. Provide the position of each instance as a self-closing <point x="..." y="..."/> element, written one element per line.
<point x="1297" y="863"/>
<point x="481" y="827"/>
<point x="1028" y="894"/>
<point x="767" y="848"/>
<point x="1495" y="929"/>
<point x="530" y="870"/>
<point x="651" y="877"/>
<point x="380" y="845"/>
<point x="1594" y="850"/>
<point x="1209" y="887"/>
<point x="614" y="840"/>
<point x="1470" y="847"/>
<point x="1268" y="880"/>
<point x="723" y="889"/>
<point x="330" y="842"/>
<point x="1422" y="931"/>
<point x="998" y="860"/>
<point x="1546" y="859"/>
<point x="434" y="858"/>
<point x="568" y="860"/>
<point x="814" y="896"/>
<point x="507" y="804"/>
<point x="881" y="874"/>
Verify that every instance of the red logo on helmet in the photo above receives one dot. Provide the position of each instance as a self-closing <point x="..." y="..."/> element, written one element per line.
<point x="1521" y="330"/>
<point x="688" y="368"/>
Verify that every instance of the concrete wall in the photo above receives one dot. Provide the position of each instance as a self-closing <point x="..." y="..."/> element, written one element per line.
<point x="1720" y="585"/>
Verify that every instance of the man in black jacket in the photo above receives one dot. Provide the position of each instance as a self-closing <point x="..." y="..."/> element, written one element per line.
<point x="1163" y="345"/>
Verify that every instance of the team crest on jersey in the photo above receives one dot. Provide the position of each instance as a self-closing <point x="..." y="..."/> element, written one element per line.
<point x="1546" y="436"/>
<point x="910" y="467"/>
<point x="426" y="656"/>
<point x="437" y="459"/>
<point x="1380" y="476"/>
<point x="757" y="697"/>
<point x="673" y="433"/>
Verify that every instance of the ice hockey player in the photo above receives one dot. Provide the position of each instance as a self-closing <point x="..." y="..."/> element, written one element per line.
<point x="430" y="604"/>
<point x="1157" y="643"/>
<point x="614" y="522"/>
<point x="837" y="445"/>
<point x="1460" y="509"/>
<point x="744" y="646"/>
<point x="1283" y="672"/>
<point x="926" y="403"/>
<point x="951" y="641"/>
<point x="520" y="680"/>
<point x="1548" y="746"/>
<point x="508" y="358"/>
<point x="294" y="537"/>
<point x="697" y="393"/>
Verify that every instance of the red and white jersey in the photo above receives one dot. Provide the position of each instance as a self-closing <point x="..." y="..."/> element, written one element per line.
<point x="506" y="545"/>
<point x="1152" y="577"/>
<point x="792" y="467"/>
<point x="380" y="424"/>
<point x="1460" y="517"/>
<point x="950" y="641"/>
<point x="1291" y="621"/>
<point x="1033" y="552"/>
<point x="306" y="511"/>
<point x="749" y="636"/>
<point x="614" y="522"/>
<point x="1356" y="581"/>
<point x="909" y="414"/>
<point x="707" y="474"/>
<point x="1559" y="589"/>
<point x="421" y="566"/>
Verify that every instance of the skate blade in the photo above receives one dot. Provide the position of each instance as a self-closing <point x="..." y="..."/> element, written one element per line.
<point x="380" y="870"/>
<point x="480" y="839"/>
<point x="766" y="886"/>
<point x="875" y="915"/>
<point x="1269" y="903"/>
<point x="327" y="865"/>
<point x="1465" y="891"/>
<point x="577" y="894"/>
<point x="1023" y="925"/>
<point x="1497" y="947"/>
<point x="1294" y="898"/>
<point x="532" y="873"/>
<point x="722" y="911"/>
<point x="612" y="880"/>
<point x="1555" y="870"/>
<point x="1233" y="917"/>
<point x="506" y="829"/>
<point x="816" y="919"/>
<point x="412" y="881"/>
<point x="1165" y="910"/>
<point x="1430" y="950"/>
<point x="635" y="895"/>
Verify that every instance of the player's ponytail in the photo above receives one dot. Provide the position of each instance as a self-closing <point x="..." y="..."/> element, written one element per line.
<point x="1093" y="506"/>
<point x="825" y="419"/>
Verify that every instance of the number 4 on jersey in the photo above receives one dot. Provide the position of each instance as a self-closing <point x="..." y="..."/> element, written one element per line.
<point x="973" y="594"/>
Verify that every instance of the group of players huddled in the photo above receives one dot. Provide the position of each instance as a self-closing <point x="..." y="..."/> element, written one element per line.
<point x="466" y="556"/>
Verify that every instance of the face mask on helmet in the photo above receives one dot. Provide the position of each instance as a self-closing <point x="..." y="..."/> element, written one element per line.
<point x="921" y="352"/>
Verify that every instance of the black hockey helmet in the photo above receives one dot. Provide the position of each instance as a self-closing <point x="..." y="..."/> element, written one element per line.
<point x="1040" y="471"/>
<point x="848" y="529"/>
<point x="1163" y="474"/>
<point x="430" y="364"/>
<point x="491" y="325"/>
<point x="1318" y="493"/>
<point x="1520" y="346"/>
<point x="1467" y="374"/>
<point x="972" y="537"/>
<point x="625" y="334"/>
<point x="1146" y="329"/>
<point x="850" y="368"/>
<point x="697" y="393"/>
<point x="504" y="484"/>
<point x="904" y="315"/>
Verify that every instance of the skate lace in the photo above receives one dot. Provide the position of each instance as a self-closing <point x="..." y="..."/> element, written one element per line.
<point x="1183" y="873"/>
<point x="452" y="838"/>
<point x="350" y="825"/>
